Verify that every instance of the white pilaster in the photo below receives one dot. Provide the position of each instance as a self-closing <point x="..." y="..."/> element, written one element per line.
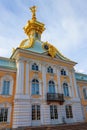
<point x="75" y="85"/>
<point x="42" y="114"/>
<point x="20" y="77"/>
<point x="71" y="85"/>
<point x="59" y="84"/>
<point x="27" y="78"/>
<point x="44" y="81"/>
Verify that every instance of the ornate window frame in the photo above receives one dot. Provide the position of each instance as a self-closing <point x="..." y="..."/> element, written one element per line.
<point x="50" y="70"/>
<point x="7" y="78"/>
<point x="85" y="92"/>
<point x="69" y="88"/>
<point x="69" y="111"/>
<point x="36" y="111"/>
<point x="56" y="89"/>
<point x="9" y="107"/>
<point x="53" y="112"/>
<point x="40" y="86"/>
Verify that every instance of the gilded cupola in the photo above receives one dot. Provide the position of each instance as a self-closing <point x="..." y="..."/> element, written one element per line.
<point x="33" y="28"/>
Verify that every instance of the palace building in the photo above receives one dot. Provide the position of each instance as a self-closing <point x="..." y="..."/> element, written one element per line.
<point x="38" y="85"/>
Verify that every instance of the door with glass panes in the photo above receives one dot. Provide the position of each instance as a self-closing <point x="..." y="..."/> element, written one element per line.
<point x="36" y="115"/>
<point x="53" y="114"/>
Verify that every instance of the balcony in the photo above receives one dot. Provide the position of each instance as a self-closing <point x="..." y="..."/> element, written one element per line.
<point x="55" y="97"/>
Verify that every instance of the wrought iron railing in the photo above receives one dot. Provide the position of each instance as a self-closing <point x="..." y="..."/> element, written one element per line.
<point x="55" y="97"/>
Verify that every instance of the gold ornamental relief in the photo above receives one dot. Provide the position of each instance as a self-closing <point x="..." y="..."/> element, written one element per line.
<point x="52" y="51"/>
<point x="27" y="43"/>
<point x="22" y="45"/>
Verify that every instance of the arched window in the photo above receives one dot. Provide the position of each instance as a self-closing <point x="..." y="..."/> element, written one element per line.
<point x="63" y="72"/>
<point x="35" y="86"/>
<point x="51" y="87"/>
<point x="66" y="89"/>
<point x="6" y="88"/>
<point x="49" y="69"/>
<point x="35" y="67"/>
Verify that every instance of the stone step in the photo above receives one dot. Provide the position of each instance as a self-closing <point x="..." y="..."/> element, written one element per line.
<point x="76" y="126"/>
<point x="79" y="126"/>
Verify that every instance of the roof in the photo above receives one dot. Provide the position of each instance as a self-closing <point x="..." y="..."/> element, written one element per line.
<point x="37" y="47"/>
<point x="81" y="76"/>
<point x="7" y="63"/>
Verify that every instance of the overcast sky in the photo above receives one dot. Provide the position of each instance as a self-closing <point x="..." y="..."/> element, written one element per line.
<point x="65" y="22"/>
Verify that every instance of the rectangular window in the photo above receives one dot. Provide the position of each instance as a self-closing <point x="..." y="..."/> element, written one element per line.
<point x="6" y="88"/>
<point x="85" y="93"/>
<point x="69" y="113"/>
<point x="53" y="112"/>
<point x="35" y="112"/>
<point x="3" y="114"/>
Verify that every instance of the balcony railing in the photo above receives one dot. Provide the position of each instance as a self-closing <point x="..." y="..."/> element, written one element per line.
<point x="55" y="97"/>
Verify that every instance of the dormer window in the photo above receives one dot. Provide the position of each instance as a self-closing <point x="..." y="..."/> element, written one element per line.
<point x="35" y="67"/>
<point x="49" y="69"/>
<point x="63" y="72"/>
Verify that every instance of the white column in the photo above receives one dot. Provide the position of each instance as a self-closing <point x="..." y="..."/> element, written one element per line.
<point x="71" y="85"/>
<point x="75" y="85"/>
<point x="27" y="78"/>
<point x="59" y="83"/>
<point x="20" y="77"/>
<point x="44" y="81"/>
<point x="42" y="114"/>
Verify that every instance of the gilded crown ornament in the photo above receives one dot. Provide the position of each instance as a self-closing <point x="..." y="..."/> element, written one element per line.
<point x="33" y="10"/>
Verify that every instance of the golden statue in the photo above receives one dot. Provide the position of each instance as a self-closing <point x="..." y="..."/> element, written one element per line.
<point x="33" y="10"/>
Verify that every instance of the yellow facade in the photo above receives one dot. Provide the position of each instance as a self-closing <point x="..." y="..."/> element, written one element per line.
<point x="8" y="99"/>
<point x="81" y="85"/>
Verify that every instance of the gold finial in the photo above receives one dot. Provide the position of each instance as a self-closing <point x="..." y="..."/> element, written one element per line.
<point x="13" y="49"/>
<point x="33" y="10"/>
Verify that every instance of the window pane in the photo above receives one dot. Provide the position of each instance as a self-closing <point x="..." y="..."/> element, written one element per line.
<point x="66" y="89"/>
<point x="35" y="67"/>
<point x="6" y="88"/>
<point x="35" y="112"/>
<point x="53" y="112"/>
<point x="51" y="87"/>
<point x="85" y="94"/>
<point x="69" y="112"/>
<point x="38" y="112"/>
<point x="3" y="115"/>
<point x="50" y="70"/>
<point x="35" y="86"/>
